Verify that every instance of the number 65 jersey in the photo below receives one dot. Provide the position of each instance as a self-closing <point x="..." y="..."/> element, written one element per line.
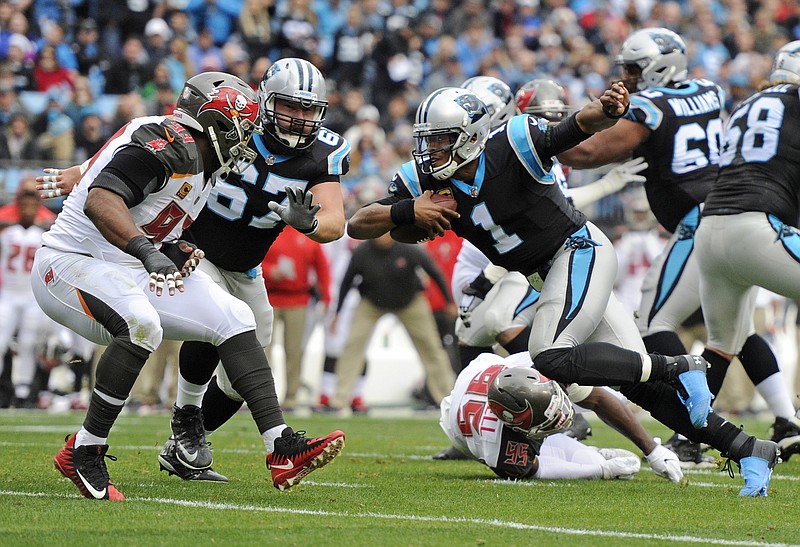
<point x="760" y="160"/>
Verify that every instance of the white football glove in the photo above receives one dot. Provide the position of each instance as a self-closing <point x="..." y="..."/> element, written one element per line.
<point x="299" y="213"/>
<point x="665" y="463"/>
<point x="623" y="468"/>
<point x="613" y="181"/>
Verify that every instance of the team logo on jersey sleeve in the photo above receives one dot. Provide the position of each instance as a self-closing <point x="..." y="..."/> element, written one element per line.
<point x="156" y="145"/>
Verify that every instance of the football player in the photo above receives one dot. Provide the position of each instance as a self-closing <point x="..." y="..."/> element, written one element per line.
<point x="675" y="123"/>
<point x="511" y="210"/>
<point x="19" y="312"/>
<point x="245" y="213"/>
<point x="748" y="236"/>
<point x="493" y="390"/>
<point x="114" y="251"/>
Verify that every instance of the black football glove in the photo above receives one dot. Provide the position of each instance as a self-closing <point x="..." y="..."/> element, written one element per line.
<point x="184" y="254"/>
<point x="473" y="295"/>
<point x="161" y="269"/>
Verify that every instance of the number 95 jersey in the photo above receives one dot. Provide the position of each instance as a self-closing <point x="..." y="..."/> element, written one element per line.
<point x="236" y="228"/>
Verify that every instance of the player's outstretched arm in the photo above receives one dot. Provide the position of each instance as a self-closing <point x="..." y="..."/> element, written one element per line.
<point x="604" y="112"/>
<point x="59" y="182"/>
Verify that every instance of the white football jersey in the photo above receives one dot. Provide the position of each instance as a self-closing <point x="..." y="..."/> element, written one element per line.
<point x="162" y="216"/>
<point x="466" y="417"/>
<point x="18" y="247"/>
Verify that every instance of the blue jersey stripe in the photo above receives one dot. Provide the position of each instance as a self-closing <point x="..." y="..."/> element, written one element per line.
<point x="408" y="174"/>
<point x="788" y="235"/>
<point x="581" y="267"/>
<point x="521" y="142"/>
<point x="336" y="160"/>
<point x="531" y="298"/>
<point x="653" y="115"/>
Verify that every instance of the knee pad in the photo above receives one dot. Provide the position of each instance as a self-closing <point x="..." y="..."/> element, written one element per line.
<point x="555" y="363"/>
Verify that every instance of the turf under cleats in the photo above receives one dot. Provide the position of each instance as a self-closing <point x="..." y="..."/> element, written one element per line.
<point x="690" y="454"/>
<point x="787" y="434"/>
<point x="296" y="455"/>
<point x="757" y="468"/>
<point x="169" y="462"/>
<point x="693" y="389"/>
<point x="191" y="447"/>
<point x="85" y="466"/>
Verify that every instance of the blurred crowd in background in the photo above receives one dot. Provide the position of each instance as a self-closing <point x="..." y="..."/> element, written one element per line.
<point x="72" y="72"/>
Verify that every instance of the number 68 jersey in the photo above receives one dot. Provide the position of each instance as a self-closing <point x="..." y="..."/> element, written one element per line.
<point x="760" y="159"/>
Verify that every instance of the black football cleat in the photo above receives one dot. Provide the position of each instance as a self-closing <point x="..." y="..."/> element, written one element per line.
<point x="85" y="466"/>
<point x="169" y="462"/>
<point x="191" y="447"/>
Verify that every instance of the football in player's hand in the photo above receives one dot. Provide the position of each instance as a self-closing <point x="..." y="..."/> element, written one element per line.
<point x="445" y="200"/>
<point x="412" y="233"/>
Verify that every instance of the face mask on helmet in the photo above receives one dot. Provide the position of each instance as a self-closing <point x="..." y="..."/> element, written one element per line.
<point x="658" y="53"/>
<point x="529" y="403"/>
<point x="293" y="102"/>
<point x="544" y="99"/>
<point x="786" y="67"/>
<point x="451" y="128"/>
<point x="225" y="109"/>
<point x="496" y="95"/>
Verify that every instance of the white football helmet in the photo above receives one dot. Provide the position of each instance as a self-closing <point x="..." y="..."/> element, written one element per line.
<point x="456" y="114"/>
<point x="659" y="53"/>
<point x="226" y="109"/>
<point x="496" y="95"/>
<point x="530" y="403"/>
<point x="543" y="98"/>
<point x="296" y="81"/>
<point x="786" y="67"/>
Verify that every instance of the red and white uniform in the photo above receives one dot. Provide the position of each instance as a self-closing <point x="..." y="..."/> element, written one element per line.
<point x="77" y="260"/>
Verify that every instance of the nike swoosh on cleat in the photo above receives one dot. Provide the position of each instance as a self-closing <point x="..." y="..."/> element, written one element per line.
<point x="98" y="494"/>
<point x="288" y="465"/>
<point x="186" y="454"/>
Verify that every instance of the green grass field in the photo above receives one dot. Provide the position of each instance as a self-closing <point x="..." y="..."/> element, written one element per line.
<point x="383" y="490"/>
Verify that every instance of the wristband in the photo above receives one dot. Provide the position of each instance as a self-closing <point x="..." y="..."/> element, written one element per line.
<point x="614" y="116"/>
<point x="311" y="231"/>
<point x="140" y="247"/>
<point x="402" y="212"/>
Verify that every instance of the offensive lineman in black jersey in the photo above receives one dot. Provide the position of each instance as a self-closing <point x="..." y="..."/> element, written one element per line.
<point x="508" y="207"/>
<point x="748" y="236"/>
<point x="243" y="216"/>
<point x="674" y="122"/>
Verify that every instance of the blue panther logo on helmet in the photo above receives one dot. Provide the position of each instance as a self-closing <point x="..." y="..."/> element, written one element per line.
<point x="474" y="107"/>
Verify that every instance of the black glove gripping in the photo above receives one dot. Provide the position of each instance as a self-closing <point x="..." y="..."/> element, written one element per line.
<point x="179" y="257"/>
<point x="161" y="269"/>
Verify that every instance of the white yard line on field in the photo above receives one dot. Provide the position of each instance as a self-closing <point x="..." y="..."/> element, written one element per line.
<point x="492" y="523"/>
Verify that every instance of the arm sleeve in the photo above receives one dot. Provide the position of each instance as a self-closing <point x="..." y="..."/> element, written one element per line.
<point x="564" y="136"/>
<point x="132" y="173"/>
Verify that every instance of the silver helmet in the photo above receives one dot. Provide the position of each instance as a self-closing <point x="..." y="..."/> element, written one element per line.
<point x="294" y="81"/>
<point x="543" y="98"/>
<point x="496" y="95"/>
<point x="659" y="53"/>
<point x="786" y="67"/>
<point x="453" y="121"/>
<point x="226" y="109"/>
<point x="529" y="403"/>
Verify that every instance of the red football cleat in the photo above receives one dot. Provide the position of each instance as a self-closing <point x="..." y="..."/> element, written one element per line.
<point x="296" y="456"/>
<point x="86" y="467"/>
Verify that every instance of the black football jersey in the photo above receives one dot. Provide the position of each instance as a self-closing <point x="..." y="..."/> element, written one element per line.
<point x="236" y="228"/>
<point x="683" y="148"/>
<point x="760" y="159"/>
<point x="514" y="210"/>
